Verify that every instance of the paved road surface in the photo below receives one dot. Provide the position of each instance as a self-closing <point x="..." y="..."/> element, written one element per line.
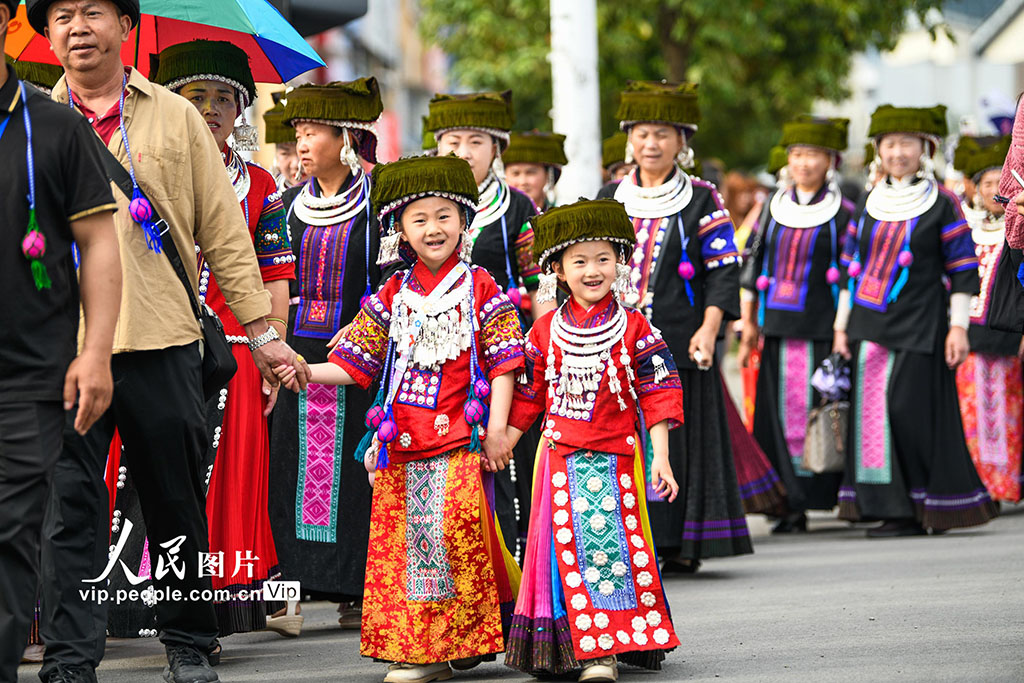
<point x="826" y="606"/>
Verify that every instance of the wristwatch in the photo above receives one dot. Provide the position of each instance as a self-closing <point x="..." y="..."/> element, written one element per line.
<point x="265" y="338"/>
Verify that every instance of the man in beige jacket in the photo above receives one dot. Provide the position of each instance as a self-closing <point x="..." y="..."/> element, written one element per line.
<point x="157" y="405"/>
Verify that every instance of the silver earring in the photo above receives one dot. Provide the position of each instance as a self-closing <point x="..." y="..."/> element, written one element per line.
<point x="548" y="287"/>
<point x="623" y="284"/>
<point x="389" y="244"/>
<point x="685" y="157"/>
<point x="348" y="155"/>
<point x="247" y="138"/>
<point x="629" y="152"/>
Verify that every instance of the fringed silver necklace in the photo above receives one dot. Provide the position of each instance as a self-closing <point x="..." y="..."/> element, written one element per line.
<point x="431" y="329"/>
<point x="586" y="353"/>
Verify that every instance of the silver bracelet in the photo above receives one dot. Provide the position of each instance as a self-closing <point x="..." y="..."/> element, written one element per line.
<point x="265" y="338"/>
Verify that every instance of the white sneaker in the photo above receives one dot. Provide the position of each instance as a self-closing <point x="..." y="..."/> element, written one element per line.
<point x="400" y="672"/>
<point x="603" y="670"/>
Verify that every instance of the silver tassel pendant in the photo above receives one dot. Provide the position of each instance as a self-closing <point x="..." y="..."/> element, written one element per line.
<point x="623" y="285"/>
<point x="388" y="253"/>
<point x="548" y="287"/>
<point x="660" y="369"/>
<point x="247" y="137"/>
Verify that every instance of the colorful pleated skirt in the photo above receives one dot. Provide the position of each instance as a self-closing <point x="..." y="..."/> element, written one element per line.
<point x="991" y="390"/>
<point x="591" y="586"/>
<point x="440" y="583"/>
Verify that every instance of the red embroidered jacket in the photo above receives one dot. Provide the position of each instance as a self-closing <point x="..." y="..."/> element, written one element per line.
<point x="264" y="215"/>
<point x="602" y="426"/>
<point x="428" y="405"/>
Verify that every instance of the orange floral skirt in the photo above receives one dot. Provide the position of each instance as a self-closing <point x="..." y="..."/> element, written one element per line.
<point x="440" y="584"/>
<point x="991" y="390"/>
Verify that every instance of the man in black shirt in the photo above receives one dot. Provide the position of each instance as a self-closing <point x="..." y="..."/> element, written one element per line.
<point x="51" y="160"/>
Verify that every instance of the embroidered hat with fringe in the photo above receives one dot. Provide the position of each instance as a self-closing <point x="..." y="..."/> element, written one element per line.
<point x="354" y="105"/>
<point x="489" y="112"/>
<point x="659" y="102"/>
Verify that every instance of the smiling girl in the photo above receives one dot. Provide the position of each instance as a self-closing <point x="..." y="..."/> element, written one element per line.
<point x="599" y="373"/>
<point x="444" y="342"/>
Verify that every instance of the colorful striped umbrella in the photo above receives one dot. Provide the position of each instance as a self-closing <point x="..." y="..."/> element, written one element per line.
<point x="277" y="53"/>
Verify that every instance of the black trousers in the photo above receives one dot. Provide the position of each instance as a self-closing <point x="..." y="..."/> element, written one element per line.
<point x="158" y="411"/>
<point x="30" y="438"/>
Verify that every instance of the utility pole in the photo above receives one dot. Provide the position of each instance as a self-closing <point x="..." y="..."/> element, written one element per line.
<point x="577" y="104"/>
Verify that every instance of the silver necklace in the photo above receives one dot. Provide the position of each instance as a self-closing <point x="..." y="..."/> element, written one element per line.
<point x="495" y="199"/>
<point x="586" y="353"/>
<point x="340" y="208"/>
<point x="666" y="199"/>
<point x="900" y="202"/>
<point x="238" y="174"/>
<point x="792" y="214"/>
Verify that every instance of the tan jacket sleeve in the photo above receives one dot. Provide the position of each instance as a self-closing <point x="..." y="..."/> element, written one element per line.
<point x="220" y="227"/>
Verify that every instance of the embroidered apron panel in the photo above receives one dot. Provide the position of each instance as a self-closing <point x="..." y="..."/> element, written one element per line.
<point x="321" y="428"/>
<point x="873" y="438"/>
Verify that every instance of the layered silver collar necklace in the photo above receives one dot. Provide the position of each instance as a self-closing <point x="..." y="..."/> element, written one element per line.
<point x="791" y="213"/>
<point x="895" y="200"/>
<point x="495" y="199"/>
<point x="666" y="199"/>
<point x="340" y="208"/>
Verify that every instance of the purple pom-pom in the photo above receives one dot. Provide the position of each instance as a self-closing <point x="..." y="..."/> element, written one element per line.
<point x="374" y="416"/>
<point x="387" y="431"/>
<point x="832" y="275"/>
<point x="905" y="258"/>
<point x="686" y="270"/>
<point x="762" y="283"/>
<point x="483" y="389"/>
<point x="473" y="411"/>
<point x="515" y="296"/>
<point x="33" y="244"/>
<point x="853" y="270"/>
<point x="140" y="209"/>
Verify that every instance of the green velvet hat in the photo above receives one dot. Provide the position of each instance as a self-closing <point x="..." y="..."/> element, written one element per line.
<point x="490" y="112"/>
<point x="547" y="149"/>
<point x="353" y="104"/>
<point x="43" y="76"/>
<point x="778" y="158"/>
<point x="929" y="123"/>
<point x="397" y="183"/>
<point x="973" y="158"/>
<point x="276" y="131"/>
<point x="816" y="132"/>
<point x="659" y="102"/>
<point x="204" y="60"/>
<point x="582" y="221"/>
<point x="429" y="141"/>
<point x="613" y="150"/>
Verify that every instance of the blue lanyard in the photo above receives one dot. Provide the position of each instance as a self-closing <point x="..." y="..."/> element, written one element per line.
<point x="140" y="208"/>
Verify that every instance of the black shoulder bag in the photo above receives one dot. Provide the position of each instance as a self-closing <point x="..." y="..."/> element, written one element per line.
<point x="219" y="363"/>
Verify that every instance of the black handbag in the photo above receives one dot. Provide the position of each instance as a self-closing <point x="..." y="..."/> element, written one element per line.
<point x="219" y="364"/>
<point x="1006" y="302"/>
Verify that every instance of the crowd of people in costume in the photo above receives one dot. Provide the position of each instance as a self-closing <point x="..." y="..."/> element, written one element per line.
<point x="479" y="422"/>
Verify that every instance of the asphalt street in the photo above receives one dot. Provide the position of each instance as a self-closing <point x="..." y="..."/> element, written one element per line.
<point x="828" y="605"/>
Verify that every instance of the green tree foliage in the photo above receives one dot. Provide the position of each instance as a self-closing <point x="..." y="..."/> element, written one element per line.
<point x="759" y="62"/>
